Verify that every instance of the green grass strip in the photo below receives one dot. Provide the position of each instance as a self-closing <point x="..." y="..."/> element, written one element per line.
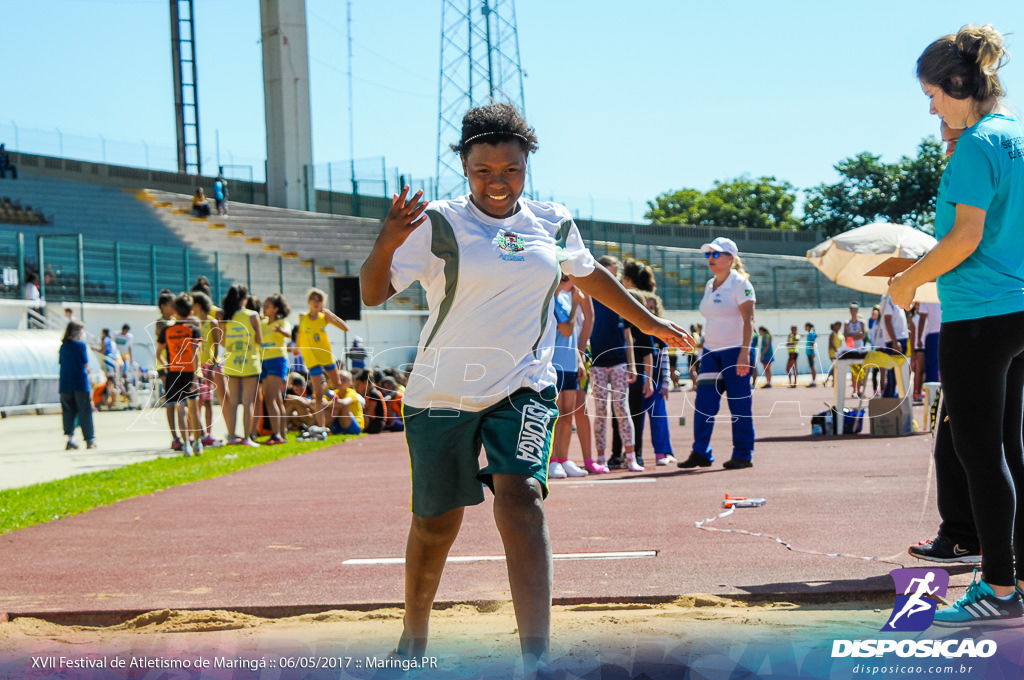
<point x="48" y="501"/>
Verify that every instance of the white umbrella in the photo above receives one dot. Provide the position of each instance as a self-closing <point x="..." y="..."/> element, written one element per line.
<point x="846" y="257"/>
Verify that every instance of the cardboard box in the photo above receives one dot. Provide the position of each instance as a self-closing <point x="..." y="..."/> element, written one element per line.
<point x="890" y="417"/>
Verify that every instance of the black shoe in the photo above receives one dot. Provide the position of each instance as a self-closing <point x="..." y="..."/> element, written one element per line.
<point x="737" y="463"/>
<point x="695" y="460"/>
<point x="942" y="549"/>
<point x="616" y="463"/>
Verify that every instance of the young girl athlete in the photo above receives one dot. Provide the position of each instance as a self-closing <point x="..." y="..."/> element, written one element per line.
<point x="316" y="349"/>
<point x="490" y="263"/>
<point x="276" y="332"/>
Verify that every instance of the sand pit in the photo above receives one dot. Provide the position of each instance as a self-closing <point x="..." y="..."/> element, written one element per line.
<point x="469" y="640"/>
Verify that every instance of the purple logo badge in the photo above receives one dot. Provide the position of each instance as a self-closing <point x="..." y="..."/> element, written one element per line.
<point x="916" y="589"/>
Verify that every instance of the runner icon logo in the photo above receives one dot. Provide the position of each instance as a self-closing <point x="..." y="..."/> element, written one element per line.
<point x="916" y="590"/>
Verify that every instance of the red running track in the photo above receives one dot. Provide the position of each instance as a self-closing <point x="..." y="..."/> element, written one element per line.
<point x="275" y="538"/>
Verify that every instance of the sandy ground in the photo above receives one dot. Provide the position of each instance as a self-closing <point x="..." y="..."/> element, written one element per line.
<point x="468" y="640"/>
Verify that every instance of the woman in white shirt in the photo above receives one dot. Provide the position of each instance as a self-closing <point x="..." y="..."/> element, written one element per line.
<point x="728" y="307"/>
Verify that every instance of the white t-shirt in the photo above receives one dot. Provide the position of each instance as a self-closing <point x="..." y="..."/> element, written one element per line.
<point x="899" y="321"/>
<point x="489" y="284"/>
<point x="124" y="343"/>
<point x="721" y="308"/>
<point x="934" y="318"/>
<point x="856" y="327"/>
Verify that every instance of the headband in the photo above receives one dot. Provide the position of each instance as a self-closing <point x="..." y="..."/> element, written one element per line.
<point x="496" y="132"/>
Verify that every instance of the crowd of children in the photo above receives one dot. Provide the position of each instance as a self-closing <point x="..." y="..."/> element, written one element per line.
<point x="246" y="353"/>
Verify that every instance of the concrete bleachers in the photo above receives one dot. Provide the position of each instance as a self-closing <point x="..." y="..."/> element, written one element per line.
<point x="340" y="242"/>
<point x="137" y="241"/>
<point x="131" y="248"/>
<point x="92" y="210"/>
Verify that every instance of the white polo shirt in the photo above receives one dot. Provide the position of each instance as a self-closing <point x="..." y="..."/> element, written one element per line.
<point x="721" y="309"/>
<point x="899" y="321"/>
<point x="489" y="284"/>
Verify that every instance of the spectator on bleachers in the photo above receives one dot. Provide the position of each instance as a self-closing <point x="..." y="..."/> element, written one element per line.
<point x="200" y="208"/>
<point x="220" y="193"/>
<point x="35" y="300"/>
<point x="32" y="292"/>
<point x="5" y="164"/>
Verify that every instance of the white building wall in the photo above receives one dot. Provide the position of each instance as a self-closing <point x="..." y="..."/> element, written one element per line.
<point x="391" y="336"/>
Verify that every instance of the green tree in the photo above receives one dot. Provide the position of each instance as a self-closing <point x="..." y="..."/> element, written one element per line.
<point x="762" y="203"/>
<point x="871" y="191"/>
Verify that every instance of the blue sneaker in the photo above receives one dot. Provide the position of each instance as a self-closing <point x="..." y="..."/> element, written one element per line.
<point x="979" y="606"/>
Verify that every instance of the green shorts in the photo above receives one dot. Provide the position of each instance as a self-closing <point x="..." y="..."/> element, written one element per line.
<point x="444" y="448"/>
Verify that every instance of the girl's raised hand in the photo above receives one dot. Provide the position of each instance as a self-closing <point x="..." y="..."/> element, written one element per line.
<point x="403" y="217"/>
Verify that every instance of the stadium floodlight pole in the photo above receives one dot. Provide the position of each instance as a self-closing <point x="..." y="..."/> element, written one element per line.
<point x="351" y="119"/>
<point x="186" y="84"/>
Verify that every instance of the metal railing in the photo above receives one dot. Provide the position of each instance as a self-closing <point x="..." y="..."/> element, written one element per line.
<point x="77" y="269"/>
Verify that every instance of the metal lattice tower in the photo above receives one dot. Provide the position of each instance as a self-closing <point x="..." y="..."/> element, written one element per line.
<point x="186" y="85"/>
<point x="479" y="64"/>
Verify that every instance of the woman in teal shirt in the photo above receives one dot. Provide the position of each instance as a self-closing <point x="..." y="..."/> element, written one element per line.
<point x="979" y="262"/>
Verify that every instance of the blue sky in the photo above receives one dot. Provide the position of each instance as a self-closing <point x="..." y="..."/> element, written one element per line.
<point x="629" y="99"/>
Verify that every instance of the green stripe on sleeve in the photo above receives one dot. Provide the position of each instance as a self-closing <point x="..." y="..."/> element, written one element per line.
<point x="445" y="246"/>
<point x="545" y="312"/>
<point x="560" y="239"/>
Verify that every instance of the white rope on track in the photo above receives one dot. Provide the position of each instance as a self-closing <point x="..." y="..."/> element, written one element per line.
<point x="702" y="525"/>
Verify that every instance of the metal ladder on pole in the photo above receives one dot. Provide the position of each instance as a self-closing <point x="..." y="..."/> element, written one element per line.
<point x="186" y="86"/>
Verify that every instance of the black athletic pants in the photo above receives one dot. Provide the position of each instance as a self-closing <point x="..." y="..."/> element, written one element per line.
<point x="982" y="367"/>
<point x="954" y="498"/>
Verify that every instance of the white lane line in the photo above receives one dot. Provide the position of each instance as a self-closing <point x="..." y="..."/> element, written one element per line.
<point x="631" y="555"/>
<point x="641" y="480"/>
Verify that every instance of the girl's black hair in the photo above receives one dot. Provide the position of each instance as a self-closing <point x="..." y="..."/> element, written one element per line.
<point x="203" y="300"/>
<point x="232" y="301"/>
<point x="280" y="303"/>
<point x="494" y="124"/>
<point x="202" y="285"/>
<point x="640" y="274"/>
<point x="166" y="297"/>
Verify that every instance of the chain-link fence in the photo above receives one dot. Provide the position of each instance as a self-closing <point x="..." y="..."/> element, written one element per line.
<point x="77" y="269"/>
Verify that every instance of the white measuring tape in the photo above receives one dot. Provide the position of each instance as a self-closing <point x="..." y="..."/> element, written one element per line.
<point x="702" y="525"/>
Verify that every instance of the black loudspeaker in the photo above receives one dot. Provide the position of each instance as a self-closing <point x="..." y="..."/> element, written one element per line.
<point x="345" y="301"/>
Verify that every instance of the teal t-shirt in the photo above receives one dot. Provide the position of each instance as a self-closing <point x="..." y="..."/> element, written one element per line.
<point x="987" y="172"/>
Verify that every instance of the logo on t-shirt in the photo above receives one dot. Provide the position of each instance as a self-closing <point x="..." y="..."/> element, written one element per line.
<point x="510" y="244"/>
